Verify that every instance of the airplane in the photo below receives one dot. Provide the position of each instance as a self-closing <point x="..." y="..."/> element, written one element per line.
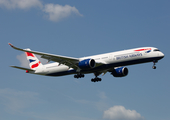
<point x="113" y="62"/>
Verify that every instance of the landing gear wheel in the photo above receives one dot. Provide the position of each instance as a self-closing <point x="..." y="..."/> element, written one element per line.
<point x="154" y="63"/>
<point x="154" y="67"/>
<point x="79" y="76"/>
<point x="76" y="76"/>
<point x="96" y="79"/>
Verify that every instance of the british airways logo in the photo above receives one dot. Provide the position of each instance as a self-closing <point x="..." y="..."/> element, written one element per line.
<point x="129" y="56"/>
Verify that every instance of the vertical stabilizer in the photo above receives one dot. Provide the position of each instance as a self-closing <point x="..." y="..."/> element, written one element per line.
<point x="34" y="63"/>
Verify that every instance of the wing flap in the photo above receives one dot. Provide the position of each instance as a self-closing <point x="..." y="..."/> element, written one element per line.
<point x="100" y="63"/>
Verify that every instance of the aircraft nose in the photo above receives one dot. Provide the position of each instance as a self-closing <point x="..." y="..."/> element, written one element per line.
<point x="161" y="55"/>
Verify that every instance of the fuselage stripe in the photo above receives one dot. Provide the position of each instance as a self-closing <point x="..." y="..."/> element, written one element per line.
<point x="143" y="49"/>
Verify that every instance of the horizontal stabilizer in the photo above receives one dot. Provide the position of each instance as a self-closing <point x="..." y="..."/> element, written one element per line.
<point x="22" y="68"/>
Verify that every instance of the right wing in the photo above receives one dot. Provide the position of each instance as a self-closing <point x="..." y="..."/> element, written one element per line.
<point x="69" y="61"/>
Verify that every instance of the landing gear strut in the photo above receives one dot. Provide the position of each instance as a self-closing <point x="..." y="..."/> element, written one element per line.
<point x="79" y="76"/>
<point x="154" y="63"/>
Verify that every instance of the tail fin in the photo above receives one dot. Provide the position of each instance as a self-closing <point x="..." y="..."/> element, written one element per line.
<point x="34" y="63"/>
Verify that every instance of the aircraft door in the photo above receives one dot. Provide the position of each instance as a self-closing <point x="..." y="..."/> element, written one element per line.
<point x="111" y="57"/>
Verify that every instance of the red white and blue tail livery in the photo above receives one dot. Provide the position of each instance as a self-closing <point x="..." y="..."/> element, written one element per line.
<point x="113" y="62"/>
<point x="34" y="63"/>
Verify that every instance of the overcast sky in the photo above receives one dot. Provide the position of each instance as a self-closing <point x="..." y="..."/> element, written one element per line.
<point x="77" y="28"/>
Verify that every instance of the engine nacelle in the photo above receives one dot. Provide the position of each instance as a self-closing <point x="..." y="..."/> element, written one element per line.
<point x="87" y="64"/>
<point x="120" y="72"/>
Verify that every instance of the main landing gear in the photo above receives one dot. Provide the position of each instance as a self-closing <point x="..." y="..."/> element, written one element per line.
<point x="79" y="76"/>
<point x="154" y="63"/>
<point x="96" y="79"/>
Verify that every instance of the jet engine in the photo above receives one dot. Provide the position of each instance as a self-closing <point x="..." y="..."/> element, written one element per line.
<point x="87" y="64"/>
<point x="120" y="72"/>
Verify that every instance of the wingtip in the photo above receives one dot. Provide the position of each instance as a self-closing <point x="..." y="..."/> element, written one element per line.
<point x="10" y="44"/>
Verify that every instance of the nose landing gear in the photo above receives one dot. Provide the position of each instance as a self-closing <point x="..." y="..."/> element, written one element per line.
<point x="154" y="63"/>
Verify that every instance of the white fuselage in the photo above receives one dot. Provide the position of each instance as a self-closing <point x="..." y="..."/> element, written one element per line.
<point x="108" y="60"/>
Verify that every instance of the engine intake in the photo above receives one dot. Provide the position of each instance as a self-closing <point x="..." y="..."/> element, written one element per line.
<point x="120" y="72"/>
<point x="87" y="64"/>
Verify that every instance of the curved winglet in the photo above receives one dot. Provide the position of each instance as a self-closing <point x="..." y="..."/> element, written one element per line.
<point x="10" y="44"/>
<point x="15" y="47"/>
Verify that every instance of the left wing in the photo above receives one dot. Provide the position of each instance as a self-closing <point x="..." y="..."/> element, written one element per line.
<point x="22" y="68"/>
<point x="69" y="61"/>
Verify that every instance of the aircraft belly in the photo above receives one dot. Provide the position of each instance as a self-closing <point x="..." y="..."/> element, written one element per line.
<point x="60" y="71"/>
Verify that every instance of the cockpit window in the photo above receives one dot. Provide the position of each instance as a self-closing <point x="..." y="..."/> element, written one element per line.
<point x="156" y="50"/>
